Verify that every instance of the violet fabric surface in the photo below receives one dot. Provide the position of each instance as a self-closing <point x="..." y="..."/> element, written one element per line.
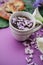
<point x="12" y="51"/>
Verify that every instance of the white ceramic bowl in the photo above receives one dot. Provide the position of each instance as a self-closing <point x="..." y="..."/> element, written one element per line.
<point x="21" y="35"/>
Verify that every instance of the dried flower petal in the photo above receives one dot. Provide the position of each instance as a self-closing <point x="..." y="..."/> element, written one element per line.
<point x="30" y="25"/>
<point x="35" y="64"/>
<point x="22" y="23"/>
<point x="31" y="56"/>
<point x="26" y="44"/>
<point x="41" y="57"/>
<point x="28" y="51"/>
<point x="32" y="43"/>
<point x="28" y="60"/>
<point x="32" y="63"/>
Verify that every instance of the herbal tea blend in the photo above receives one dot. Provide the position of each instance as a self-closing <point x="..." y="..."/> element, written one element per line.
<point x="22" y="23"/>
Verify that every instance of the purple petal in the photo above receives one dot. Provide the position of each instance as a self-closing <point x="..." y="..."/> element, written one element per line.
<point x="30" y="24"/>
<point x="37" y="3"/>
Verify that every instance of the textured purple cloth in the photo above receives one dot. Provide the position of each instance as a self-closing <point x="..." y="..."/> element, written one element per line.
<point x="12" y="51"/>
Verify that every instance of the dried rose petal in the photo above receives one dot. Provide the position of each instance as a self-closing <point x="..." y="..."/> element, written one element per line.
<point x="32" y="63"/>
<point x="19" y="23"/>
<point x="27" y="49"/>
<point x="22" y="23"/>
<point x="14" y="20"/>
<point x="26" y="44"/>
<point x="41" y="30"/>
<point x="26" y="22"/>
<point x="41" y="57"/>
<point x="31" y="56"/>
<point x="32" y="42"/>
<point x="26" y="28"/>
<point x="28" y="60"/>
<point x="20" y="18"/>
<point x="21" y="27"/>
<point x="35" y="64"/>
<point x="31" y="51"/>
<point x="30" y="24"/>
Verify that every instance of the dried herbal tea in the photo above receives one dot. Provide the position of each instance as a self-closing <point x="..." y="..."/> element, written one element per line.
<point x="22" y="22"/>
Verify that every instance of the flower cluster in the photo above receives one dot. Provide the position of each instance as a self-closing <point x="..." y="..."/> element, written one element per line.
<point x="38" y="3"/>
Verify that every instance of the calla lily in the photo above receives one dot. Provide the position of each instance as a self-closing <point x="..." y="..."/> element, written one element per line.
<point x="37" y="15"/>
<point x="39" y="41"/>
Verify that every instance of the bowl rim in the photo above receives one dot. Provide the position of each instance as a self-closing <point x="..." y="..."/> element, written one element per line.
<point x="12" y="15"/>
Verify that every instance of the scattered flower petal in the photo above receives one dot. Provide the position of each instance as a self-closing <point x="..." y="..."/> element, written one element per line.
<point x="32" y="43"/>
<point x="31" y="56"/>
<point x="41" y="57"/>
<point x="28" y="60"/>
<point x="26" y="44"/>
<point x="35" y="64"/>
<point x="32" y="63"/>
<point x="28" y="51"/>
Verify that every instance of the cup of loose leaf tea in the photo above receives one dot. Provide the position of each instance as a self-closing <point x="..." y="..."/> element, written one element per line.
<point x="23" y="24"/>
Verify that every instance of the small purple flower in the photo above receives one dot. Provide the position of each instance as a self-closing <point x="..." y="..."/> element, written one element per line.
<point x="38" y="3"/>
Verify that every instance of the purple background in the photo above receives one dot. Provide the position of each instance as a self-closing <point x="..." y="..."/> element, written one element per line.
<point x="12" y="51"/>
